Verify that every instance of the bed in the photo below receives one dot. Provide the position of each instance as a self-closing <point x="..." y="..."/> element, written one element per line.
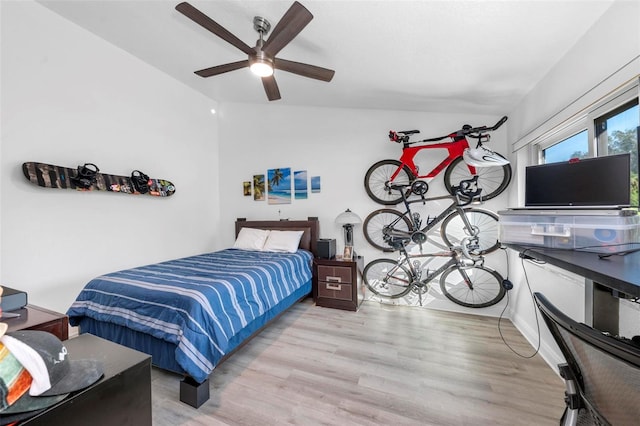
<point x="191" y="314"/>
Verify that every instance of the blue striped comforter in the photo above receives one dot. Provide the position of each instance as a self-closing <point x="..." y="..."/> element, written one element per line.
<point x="197" y="303"/>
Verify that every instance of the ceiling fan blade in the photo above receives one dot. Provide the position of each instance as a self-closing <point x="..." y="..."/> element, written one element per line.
<point x="304" y="70"/>
<point x="271" y="88"/>
<point x="289" y="26"/>
<point x="203" y="20"/>
<point x="221" y="69"/>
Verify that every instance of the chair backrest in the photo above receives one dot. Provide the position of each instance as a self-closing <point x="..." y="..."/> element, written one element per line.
<point x="607" y="369"/>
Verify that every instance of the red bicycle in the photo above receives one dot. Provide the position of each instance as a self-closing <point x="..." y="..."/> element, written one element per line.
<point x="462" y="163"/>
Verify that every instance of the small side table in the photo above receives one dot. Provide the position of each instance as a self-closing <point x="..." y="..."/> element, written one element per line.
<point x="36" y="318"/>
<point x="338" y="283"/>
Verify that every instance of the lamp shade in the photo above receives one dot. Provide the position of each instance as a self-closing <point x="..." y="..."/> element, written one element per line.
<point x="348" y="217"/>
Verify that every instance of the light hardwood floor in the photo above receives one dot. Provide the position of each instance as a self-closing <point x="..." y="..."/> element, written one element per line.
<point x="382" y="365"/>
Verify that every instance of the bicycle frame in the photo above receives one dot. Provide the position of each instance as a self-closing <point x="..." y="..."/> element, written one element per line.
<point x="456" y="259"/>
<point x="454" y="149"/>
<point x="455" y="206"/>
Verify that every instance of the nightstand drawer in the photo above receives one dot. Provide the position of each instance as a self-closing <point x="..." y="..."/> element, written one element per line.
<point x="335" y="274"/>
<point x="332" y="290"/>
<point x="33" y="317"/>
<point x="54" y="327"/>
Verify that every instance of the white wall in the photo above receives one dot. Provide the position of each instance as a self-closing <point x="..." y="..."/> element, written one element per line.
<point x="68" y="97"/>
<point x="339" y="145"/>
<point x="606" y="57"/>
<point x="603" y="59"/>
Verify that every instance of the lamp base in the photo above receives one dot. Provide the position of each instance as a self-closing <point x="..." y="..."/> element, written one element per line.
<point x="348" y="234"/>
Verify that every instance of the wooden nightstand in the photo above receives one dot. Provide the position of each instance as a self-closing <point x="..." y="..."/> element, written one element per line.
<point x="338" y="283"/>
<point x="36" y="318"/>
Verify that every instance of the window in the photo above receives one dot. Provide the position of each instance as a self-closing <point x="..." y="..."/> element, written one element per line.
<point x="617" y="133"/>
<point x="576" y="146"/>
<point x="611" y="126"/>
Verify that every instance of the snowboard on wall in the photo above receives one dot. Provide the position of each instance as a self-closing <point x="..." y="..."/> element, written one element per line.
<point x="50" y="176"/>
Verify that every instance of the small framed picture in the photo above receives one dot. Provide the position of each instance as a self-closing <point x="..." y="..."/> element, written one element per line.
<point x="246" y="188"/>
<point x="348" y="253"/>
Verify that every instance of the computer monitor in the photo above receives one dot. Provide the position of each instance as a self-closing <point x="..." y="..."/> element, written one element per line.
<point x="601" y="182"/>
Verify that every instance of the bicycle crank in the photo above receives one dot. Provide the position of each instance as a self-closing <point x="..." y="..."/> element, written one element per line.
<point x="419" y="237"/>
<point x="419" y="187"/>
<point x="418" y="287"/>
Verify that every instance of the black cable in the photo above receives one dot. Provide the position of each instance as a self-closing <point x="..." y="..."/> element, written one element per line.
<point x="522" y="259"/>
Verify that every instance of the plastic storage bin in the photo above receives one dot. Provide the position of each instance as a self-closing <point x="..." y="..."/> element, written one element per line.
<point x="600" y="234"/>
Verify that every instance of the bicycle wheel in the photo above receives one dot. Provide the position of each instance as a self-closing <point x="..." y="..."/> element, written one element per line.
<point x="379" y="221"/>
<point x="484" y="222"/>
<point x="387" y="278"/>
<point x="474" y="287"/>
<point x="376" y="181"/>
<point x="492" y="180"/>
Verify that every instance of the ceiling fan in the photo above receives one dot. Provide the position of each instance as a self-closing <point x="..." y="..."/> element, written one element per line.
<point x="262" y="58"/>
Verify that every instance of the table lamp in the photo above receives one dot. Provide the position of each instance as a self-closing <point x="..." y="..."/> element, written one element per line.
<point x="348" y="219"/>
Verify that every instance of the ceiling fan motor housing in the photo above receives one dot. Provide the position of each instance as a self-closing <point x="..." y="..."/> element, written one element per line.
<point x="261" y="25"/>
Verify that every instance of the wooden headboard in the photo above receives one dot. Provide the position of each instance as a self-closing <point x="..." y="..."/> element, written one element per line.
<point x="311" y="228"/>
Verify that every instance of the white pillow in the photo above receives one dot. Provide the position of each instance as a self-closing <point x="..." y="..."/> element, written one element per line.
<point x="283" y="241"/>
<point x="251" y="239"/>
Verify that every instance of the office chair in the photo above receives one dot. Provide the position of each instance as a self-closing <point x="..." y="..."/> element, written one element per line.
<point x="601" y="374"/>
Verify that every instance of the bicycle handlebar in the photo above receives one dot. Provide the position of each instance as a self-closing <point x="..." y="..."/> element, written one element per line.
<point x="467" y="190"/>
<point x="466" y="130"/>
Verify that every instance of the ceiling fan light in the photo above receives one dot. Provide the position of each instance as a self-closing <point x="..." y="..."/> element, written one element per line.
<point x="262" y="69"/>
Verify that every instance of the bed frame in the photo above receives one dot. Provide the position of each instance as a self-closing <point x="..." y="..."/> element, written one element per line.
<point x="196" y="394"/>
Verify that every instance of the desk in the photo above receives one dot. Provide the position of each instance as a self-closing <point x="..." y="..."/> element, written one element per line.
<point x="619" y="274"/>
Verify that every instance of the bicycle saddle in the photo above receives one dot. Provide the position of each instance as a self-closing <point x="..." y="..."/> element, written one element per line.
<point x="394" y="137"/>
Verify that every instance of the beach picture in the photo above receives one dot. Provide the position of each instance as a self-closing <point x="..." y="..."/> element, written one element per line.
<point x="300" y="184"/>
<point x="246" y="188"/>
<point x="279" y="184"/>
<point x="315" y="183"/>
<point x="258" y="187"/>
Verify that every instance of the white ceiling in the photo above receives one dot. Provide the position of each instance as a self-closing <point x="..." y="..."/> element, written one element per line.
<point x="446" y="56"/>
